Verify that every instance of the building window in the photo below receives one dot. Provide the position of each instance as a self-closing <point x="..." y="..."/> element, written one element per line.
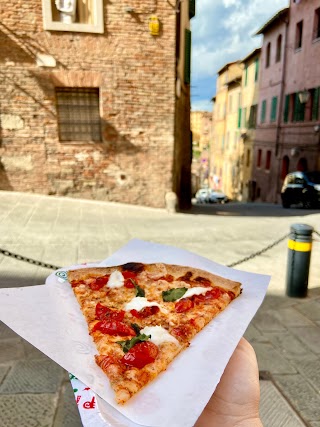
<point x="248" y="158"/>
<point x="316" y="24"/>
<point x="299" y="31"/>
<point x="286" y="109"/>
<point x="256" y="69"/>
<point x="299" y="109"/>
<point x="268" y="160"/>
<point x="246" y="75"/>
<point x="279" y="47"/>
<point x="263" y="111"/>
<point x="274" y="105"/>
<point x="253" y="116"/>
<point x="259" y="158"/>
<point x="315" y="98"/>
<point x="268" y="54"/>
<point x="78" y="114"/>
<point x="74" y="15"/>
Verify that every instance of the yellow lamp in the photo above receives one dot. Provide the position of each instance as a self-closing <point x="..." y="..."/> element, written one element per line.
<point x="154" y="25"/>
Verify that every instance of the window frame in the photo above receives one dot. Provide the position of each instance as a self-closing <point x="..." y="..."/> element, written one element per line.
<point x="259" y="158"/>
<point x="268" y="55"/>
<point x="61" y="114"/>
<point x="279" y="48"/>
<point x="50" y="24"/>
<point x="299" y="35"/>
<point x="263" y="112"/>
<point x="316" y="24"/>
<point x="268" y="160"/>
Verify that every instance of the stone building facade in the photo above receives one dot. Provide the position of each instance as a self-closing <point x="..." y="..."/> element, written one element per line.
<point x="94" y="105"/>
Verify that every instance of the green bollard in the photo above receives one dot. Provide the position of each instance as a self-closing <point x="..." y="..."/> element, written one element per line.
<point x="299" y="254"/>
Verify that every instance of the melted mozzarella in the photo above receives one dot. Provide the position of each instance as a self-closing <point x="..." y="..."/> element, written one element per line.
<point x="138" y="303"/>
<point x="194" y="291"/>
<point x="116" y="280"/>
<point x="159" y="335"/>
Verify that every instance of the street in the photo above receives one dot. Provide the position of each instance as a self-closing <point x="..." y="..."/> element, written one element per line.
<point x="285" y="332"/>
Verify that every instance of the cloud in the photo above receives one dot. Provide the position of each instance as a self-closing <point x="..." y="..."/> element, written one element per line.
<point x="222" y="31"/>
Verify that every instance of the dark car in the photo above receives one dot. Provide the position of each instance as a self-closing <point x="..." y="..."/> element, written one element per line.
<point x="301" y="188"/>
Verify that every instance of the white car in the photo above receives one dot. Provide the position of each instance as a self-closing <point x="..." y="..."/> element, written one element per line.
<point x="202" y="195"/>
<point x="217" y="196"/>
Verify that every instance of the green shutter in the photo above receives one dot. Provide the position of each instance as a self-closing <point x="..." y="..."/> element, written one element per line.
<point x="244" y="119"/>
<point x="286" y="109"/>
<point x="239" y="118"/>
<point x="263" y="111"/>
<point x="192" y="9"/>
<point x="256" y="71"/>
<point x="273" y="116"/>
<point x="315" y="106"/>
<point x="299" y="109"/>
<point x="246" y="75"/>
<point x="187" y="59"/>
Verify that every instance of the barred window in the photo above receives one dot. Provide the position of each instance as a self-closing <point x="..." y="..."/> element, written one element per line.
<point x="78" y="114"/>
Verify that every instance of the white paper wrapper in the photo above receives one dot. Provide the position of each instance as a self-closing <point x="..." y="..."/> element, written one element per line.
<point x="50" y="319"/>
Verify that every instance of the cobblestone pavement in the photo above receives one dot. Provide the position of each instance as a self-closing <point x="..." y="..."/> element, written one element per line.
<point x="34" y="391"/>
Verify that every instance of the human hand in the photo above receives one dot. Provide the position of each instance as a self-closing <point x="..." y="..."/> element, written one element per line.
<point x="235" y="402"/>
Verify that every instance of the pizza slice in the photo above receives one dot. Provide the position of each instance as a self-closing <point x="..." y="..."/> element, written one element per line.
<point x="141" y="316"/>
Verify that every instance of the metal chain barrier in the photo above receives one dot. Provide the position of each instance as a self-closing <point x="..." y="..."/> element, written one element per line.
<point x="55" y="267"/>
<point x="262" y="251"/>
<point x="28" y="260"/>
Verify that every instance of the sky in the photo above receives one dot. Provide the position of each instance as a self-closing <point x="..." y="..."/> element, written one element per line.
<point x="222" y="32"/>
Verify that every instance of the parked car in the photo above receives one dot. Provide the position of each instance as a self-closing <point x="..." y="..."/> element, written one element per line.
<point x="217" y="196"/>
<point x="301" y="188"/>
<point x="202" y="195"/>
<point x="206" y="195"/>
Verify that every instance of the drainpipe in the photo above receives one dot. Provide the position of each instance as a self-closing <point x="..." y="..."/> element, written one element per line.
<point x="282" y="92"/>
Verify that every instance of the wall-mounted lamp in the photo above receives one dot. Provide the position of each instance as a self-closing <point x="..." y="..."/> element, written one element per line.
<point x="316" y="128"/>
<point x="154" y="25"/>
<point x="295" y="151"/>
<point x="304" y="96"/>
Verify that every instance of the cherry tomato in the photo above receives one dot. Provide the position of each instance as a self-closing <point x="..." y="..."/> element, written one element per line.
<point x="183" y="305"/>
<point x="114" y="327"/>
<point x="99" y="282"/>
<point x="128" y="275"/>
<point x="215" y="293"/>
<point x="182" y="332"/>
<point x="103" y="313"/>
<point x="141" y="354"/>
<point x="145" y="312"/>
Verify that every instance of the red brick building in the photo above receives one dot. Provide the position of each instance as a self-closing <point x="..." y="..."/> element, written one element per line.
<point x="93" y="104"/>
<point x="287" y="136"/>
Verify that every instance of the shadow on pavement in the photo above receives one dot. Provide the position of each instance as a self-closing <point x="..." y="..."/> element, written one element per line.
<point x="248" y="209"/>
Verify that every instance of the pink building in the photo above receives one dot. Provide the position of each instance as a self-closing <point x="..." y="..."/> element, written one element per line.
<point x="287" y="136"/>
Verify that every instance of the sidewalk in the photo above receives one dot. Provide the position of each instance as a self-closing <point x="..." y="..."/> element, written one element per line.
<point x="285" y="333"/>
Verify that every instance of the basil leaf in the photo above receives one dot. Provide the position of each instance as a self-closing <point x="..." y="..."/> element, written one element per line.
<point x="136" y="328"/>
<point x="126" y="345"/>
<point x="173" y="294"/>
<point x="139" y="291"/>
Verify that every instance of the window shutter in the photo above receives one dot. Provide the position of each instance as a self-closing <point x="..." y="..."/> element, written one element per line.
<point x="315" y="106"/>
<point x="256" y="72"/>
<point x="274" y="105"/>
<point x="239" y="117"/>
<point x="263" y="111"/>
<point x="187" y="59"/>
<point x="246" y="75"/>
<point x="299" y="109"/>
<point x="192" y="9"/>
<point x="286" y="109"/>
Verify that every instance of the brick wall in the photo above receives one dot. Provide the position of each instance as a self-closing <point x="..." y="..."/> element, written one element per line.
<point x="136" y="76"/>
